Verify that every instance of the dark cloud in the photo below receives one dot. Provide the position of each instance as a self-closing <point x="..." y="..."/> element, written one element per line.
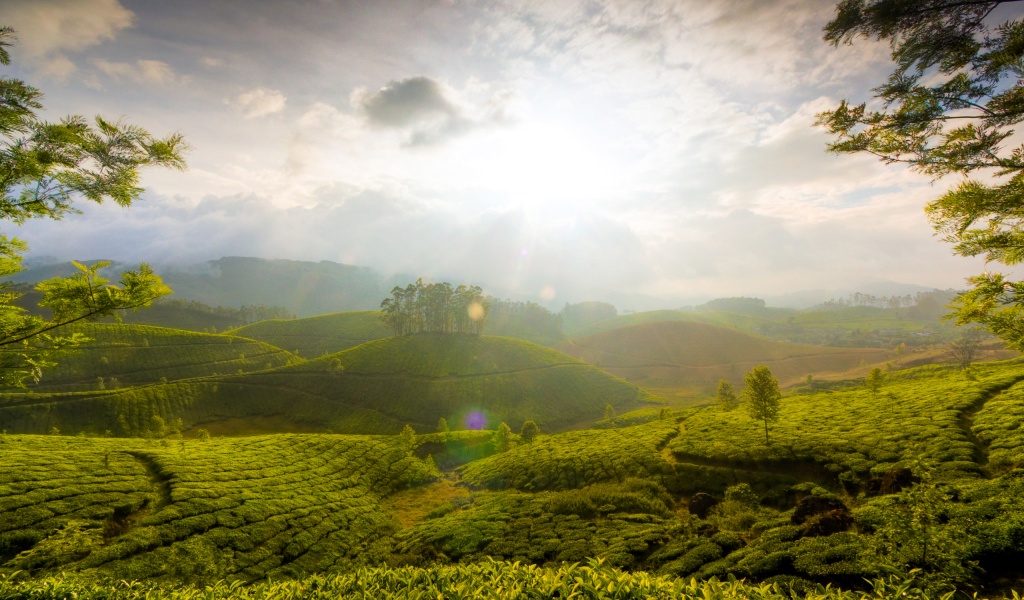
<point x="428" y="110"/>
<point x="406" y="102"/>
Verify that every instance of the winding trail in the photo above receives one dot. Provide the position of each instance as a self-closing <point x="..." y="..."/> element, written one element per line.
<point x="966" y="424"/>
<point x="161" y="482"/>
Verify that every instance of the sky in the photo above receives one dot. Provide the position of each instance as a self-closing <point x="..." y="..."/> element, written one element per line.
<point x="553" y="150"/>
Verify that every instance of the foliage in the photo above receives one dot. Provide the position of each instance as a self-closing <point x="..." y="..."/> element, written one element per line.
<point x="725" y="396"/>
<point x="490" y="580"/>
<point x="529" y="432"/>
<point x="501" y="441"/>
<point x="576" y="317"/>
<point x="762" y="396"/>
<point x="576" y="459"/>
<point x="874" y="380"/>
<point x="434" y="308"/>
<point x="948" y="108"/>
<point x="44" y="167"/>
<point x="524" y="320"/>
<point x="965" y="350"/>
<point x="408" y="435"/>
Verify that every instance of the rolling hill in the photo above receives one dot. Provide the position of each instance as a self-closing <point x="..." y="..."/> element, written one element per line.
<point x="835" y="498"/>
<point x="675" y="353"/>
<point x="124" y="355"/>
<point x="315" y="336"/>
<point x="376" y="387"/>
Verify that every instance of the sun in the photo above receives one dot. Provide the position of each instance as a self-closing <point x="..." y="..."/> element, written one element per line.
<point x="543" y="164"/>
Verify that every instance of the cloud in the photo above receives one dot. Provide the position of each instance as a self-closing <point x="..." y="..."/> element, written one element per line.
<point x="48" y="29"/>
<point x="260" y="102"/>
<point x="405" y="102"/>
<point x="429" y="111"/>
<point x="145" y="72"/>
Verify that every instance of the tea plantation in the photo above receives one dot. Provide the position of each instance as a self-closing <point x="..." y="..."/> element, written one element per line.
<point x="123" y="355"/>
<point x="376" y="387"/>
<point x="312" y="337"/>
<point x="917" y="486"/>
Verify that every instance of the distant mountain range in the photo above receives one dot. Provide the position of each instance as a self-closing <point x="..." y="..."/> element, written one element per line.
<point x="312" y="288"/>
<point x="304" y="288"/>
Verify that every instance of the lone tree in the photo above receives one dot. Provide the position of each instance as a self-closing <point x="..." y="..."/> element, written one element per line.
<point x="501" y="439"/>
<point x="874" y="380"/>
<point x="529" y="432"/>
<point x="965" y="350"/>
<point x="44" y="168"/>
<point x="726" y="396"/>
<point x="762" y="396"/>
<point x="949" y="108"/>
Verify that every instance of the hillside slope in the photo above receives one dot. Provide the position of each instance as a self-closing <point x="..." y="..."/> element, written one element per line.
<point x="680" y="352"/>
<point x="377" y="387"/>
<point x="122" y="354"/>
<point x="693" y="494"/>
<point x="315" y="336"/>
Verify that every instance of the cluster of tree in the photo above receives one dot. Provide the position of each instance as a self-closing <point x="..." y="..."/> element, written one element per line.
<point x="503" y="314"/>
<point x="859" y="299"/>
<point x="434" y="308"/>
<point x="738" y="305"/>
<point x="577" y="316"/>
<point x="949" y="107"/>
<point x="920" y="299"/>
<point x="244" y="314"/>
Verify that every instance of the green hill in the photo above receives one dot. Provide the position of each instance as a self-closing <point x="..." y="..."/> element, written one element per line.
<point x="744" y="322"/>
<point x="376" y="387"/>
<point x="122" y="355"/>
<point x="673" y="353"/>
<point x="855" y="484"/>
<point x="315" y="336"/>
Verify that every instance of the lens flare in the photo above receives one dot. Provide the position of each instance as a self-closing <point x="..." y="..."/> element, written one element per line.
<point x="475" y="421"/>
<point x="476" y="311"/>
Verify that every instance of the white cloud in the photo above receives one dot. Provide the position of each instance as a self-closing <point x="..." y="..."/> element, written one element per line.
<point x="48" y="29"/>
<point x="146" y="72"/>
<point x="260" y="102"/>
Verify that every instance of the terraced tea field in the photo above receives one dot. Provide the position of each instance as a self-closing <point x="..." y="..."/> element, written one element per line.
<point x="693" y="493"/>
<point x="377" y="387"/>
<point x="122" y="355"/>
<point x="242" y="508"/>
<point x="313" y="337"/>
